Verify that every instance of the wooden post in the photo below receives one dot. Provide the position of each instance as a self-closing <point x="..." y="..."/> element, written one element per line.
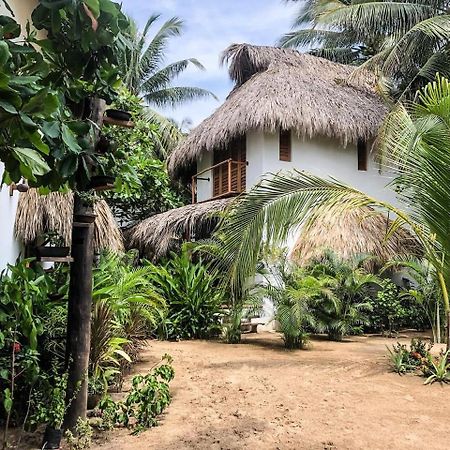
<point x="79" y="316"/>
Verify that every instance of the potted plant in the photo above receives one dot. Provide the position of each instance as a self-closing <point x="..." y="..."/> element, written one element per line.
<point x="117" y="114"/>
<point x="53" y="409"/>
<point x="52" y="247"/>
<point x="85" y="212"/>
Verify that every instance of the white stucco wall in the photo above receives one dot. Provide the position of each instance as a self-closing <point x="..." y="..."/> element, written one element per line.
<point x="321" y="156"/>
<point x="9" y="248"/>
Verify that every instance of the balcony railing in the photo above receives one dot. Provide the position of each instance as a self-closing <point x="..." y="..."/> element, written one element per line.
<point x="228" y="178"/>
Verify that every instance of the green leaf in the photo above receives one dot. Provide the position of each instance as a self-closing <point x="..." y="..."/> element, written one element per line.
<point x="68" y="166"/>
<point x="94" y="6"/>
<point x="51" y="129"/>
<point x="8" y="107"/>
<point x="5" y="54"/>
<point x="43" y="104"/>
<point x="109" y="7"/>
<point x="7" y="401"/>
<point x="36" y="140"/>
<point x="27" y="120"/>
<point x="69" y="139"/>
<point x="32" y="160"/>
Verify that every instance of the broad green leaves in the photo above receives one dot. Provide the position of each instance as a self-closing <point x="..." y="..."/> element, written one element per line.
<point x="32" y="163"/>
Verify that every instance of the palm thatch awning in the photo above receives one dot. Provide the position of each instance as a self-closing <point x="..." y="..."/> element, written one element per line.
<point x="359" y="231"/>
<point x="156" y="236"/>
<point x="282" y="88"/>
<point x="39" y="214"/>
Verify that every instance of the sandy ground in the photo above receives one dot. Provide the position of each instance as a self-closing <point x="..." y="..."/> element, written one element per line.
<point x="256" y="395"/>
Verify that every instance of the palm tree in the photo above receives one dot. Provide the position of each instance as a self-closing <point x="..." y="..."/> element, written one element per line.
<point x="406" y="41"/>
<point x="349" y="283"/>
<point x="144" y="73"/>
<point x="414" y="141"/>
<point x="426" y="291"/>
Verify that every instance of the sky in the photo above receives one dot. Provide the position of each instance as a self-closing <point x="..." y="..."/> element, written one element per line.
<point x="209" y="27"/>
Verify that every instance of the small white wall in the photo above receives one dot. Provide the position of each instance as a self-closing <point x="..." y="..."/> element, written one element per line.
<point x="9" y="248"/>
<point x="204" y="187"/>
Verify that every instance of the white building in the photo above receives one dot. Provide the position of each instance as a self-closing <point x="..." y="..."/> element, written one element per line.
<point x="287" y="111"/>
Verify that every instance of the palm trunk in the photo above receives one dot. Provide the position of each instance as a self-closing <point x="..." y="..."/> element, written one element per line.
<point x="445" y="296"/>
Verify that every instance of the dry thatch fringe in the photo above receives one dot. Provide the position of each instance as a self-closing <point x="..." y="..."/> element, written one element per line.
<point x="38" y="214"/>
<point x="282" y="88"/>
<point x="156" y="236"/>
<point x="359" y="231"/>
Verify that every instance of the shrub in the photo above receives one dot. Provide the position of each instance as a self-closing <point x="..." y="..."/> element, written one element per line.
<point x="193" y="295"/>
<point x="437" y="369"/>
<point x="149" y="396"/>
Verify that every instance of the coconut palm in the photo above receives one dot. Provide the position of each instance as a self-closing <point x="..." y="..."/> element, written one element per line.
<point x="414" y="141"/>
<point x="406" y="40"/>
<point x="144" y="73"/>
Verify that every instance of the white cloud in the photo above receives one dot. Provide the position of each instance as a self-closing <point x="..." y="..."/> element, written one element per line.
<point x="210" y="26"/>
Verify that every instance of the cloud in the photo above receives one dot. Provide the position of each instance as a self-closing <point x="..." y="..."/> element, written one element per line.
<point x="210" y="27"/>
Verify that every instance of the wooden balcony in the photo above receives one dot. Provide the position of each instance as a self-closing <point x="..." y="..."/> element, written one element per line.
<point x="228" y="179"/>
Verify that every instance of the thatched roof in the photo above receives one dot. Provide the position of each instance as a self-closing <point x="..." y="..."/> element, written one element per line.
<point x="282" y="88"/>
<point x="360" y="231"/>
<point x="156" y="236"/>
<point x="38" y="214"/>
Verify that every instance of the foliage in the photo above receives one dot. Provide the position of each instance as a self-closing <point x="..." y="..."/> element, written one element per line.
<point x="82" y="438"/>
<point x="193" y="295"/>
<point x="414" y="142"/>
<point x="143" y="188"/>
<point x="49" y="400"/>
<point x="399" y="358"/>
<point x="149" y="396"/>
<point x="348" y="305"/>
<point x="405" y="42"/>
<point x="141" y="65"/>
<point x="438" y="370"/>
<point x="44" y="136"/>
<point x="423" y="299"/>
<point x="125" y="309"/>
<point x="387" y="309"/>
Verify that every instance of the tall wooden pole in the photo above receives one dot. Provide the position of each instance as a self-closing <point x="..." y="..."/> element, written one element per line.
<point x="79" y="315"/>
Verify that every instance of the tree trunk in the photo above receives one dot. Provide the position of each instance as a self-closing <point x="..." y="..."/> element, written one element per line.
<point x="79" y="318"/>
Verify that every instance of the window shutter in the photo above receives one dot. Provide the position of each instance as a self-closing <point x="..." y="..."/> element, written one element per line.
<point x="362" y="155"/>
<point x="285" y="145"/>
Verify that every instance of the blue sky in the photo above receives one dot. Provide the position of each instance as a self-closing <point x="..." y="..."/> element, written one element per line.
<point x="210" y="26"/>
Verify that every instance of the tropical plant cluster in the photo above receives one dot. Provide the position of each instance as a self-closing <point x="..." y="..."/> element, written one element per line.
<point x="417" y="358"/>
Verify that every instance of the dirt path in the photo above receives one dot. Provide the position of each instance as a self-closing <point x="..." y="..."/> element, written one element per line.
<point x="256" y="395"/>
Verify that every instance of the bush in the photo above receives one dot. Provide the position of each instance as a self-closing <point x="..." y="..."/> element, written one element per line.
<point x="193" y="295"/>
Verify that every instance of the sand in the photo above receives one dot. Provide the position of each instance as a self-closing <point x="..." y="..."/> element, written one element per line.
<point x="256" y="395"/>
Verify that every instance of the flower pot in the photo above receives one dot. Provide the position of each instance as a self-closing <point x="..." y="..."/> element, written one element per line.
<point x="52" y="252"/>
<point x="52" y="438"/>
<point x="101" y="182"/>
<point x="93" y="400"/>
<point x="117" y="114"/>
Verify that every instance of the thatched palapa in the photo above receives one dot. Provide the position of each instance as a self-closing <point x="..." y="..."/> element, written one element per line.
<point x="282" y="88"/>
<point x="38" y="214"/>
<point x="156" y="236"/>
<point x="359" y="231"/>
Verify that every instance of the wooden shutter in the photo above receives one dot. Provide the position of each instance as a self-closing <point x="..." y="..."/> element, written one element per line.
<point x="362" y="155"/>
<point x="285" y="145"/>
<point x="222" y="179"/>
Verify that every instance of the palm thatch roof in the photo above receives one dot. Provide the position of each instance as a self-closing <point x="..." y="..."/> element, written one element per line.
<point x="156" y="236"/>
<point x="359" y="231"/>
<point x="282" y="88"/>
<point x="38" y="214"/>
